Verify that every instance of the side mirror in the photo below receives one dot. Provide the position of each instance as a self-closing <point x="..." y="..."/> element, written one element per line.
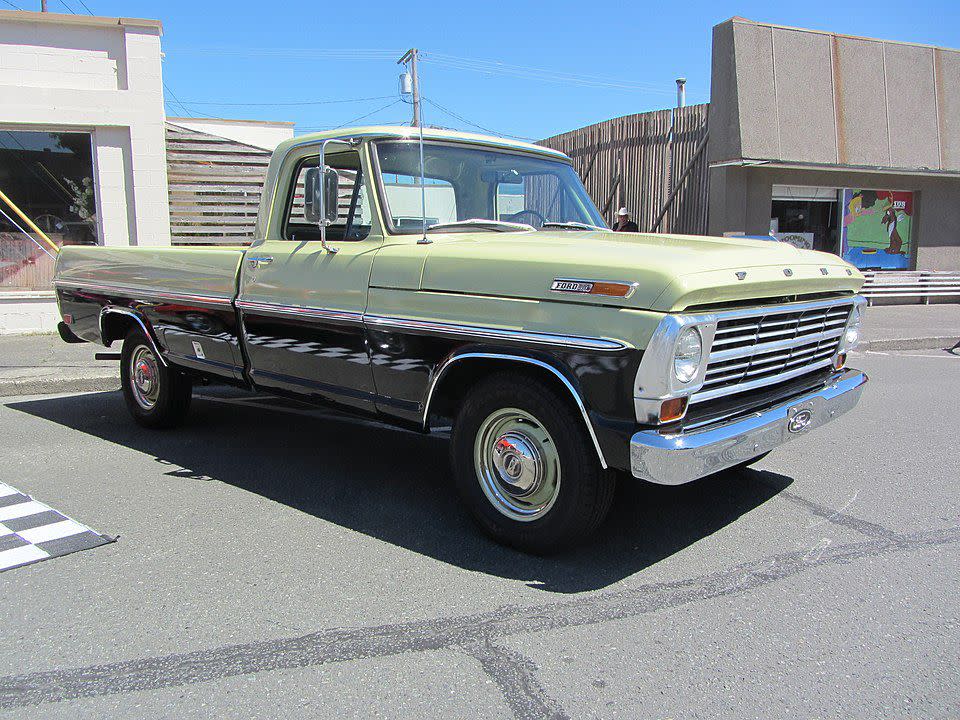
<point x="321" y="196"/>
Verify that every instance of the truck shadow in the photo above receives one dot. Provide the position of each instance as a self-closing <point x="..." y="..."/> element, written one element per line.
<point x="395" y="486"/>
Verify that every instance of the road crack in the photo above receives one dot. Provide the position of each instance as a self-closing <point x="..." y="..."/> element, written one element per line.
<point x="516" y="676"/>
<point x="339" y="645"/>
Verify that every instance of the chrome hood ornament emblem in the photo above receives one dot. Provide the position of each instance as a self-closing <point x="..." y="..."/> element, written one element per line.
<point x="741" y="274"/>
<point x="788" y="272"/>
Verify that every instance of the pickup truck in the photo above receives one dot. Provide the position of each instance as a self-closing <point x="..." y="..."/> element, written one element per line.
<point x="431" y="278"/>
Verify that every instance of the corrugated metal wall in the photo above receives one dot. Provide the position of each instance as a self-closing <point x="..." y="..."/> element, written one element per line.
<point x="637" y="161"/>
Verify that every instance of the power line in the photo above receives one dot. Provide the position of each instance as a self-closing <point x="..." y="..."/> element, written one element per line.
<point x="286" y="104"/>
<point x="72" y="11"/>
<point x="451" y="113"/>
<point x="183" y="107"/>
<point x="85" y="7"/>
<point x="293" y="53"/>
<point x="13" y="6"/>
<point x="362" y="117"/>
<point x="493" y="67"/>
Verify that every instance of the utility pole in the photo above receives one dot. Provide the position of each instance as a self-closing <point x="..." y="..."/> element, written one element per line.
<point x="412" y="56"/>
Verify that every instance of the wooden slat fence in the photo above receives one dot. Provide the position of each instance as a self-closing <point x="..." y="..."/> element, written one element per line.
<point x="634" y="161"/>
<point x="215" y="186"/>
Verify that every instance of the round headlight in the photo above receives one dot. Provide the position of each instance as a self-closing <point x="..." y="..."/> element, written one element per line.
<point x="686" y="360"/>
<point x="852" y="335"/>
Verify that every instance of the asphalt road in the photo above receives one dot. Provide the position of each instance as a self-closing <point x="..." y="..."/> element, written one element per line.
<point x="274" y="563"/>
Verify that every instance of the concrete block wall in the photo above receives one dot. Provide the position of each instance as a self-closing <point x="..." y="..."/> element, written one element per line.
<point x="98" y="75"/>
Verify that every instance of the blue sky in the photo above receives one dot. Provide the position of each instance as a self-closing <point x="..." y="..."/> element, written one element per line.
<point x="297" y="52"/>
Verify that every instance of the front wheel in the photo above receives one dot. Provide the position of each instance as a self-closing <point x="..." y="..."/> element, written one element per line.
<point x="157" y="396"/>
<point x="525" y="466"/>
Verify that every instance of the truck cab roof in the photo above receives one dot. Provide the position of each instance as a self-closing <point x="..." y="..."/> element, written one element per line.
<point x="395" y="132"/>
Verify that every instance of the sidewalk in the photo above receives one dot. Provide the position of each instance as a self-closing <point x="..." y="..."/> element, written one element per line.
<point x="911" y="327"/>
<point x="38" y="364"/>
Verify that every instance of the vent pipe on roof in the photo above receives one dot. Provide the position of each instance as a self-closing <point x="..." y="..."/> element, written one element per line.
<point x="681" y="92"/>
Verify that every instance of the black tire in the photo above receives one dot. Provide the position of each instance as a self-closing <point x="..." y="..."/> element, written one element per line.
<point x="166" y="403"/>
<point x="584" y="491"/>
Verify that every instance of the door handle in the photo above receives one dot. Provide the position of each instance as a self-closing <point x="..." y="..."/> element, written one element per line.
<point x="256" y="262"/>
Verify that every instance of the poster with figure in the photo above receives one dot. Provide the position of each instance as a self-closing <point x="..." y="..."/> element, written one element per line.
<point x="876" y="228"/>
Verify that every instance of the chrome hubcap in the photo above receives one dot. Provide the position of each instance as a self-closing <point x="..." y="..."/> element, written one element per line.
<point x="517" y="464"/>
<point x="144" y="377"/>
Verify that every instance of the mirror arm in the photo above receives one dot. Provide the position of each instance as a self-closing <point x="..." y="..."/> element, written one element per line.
<point x="323" y="210"/>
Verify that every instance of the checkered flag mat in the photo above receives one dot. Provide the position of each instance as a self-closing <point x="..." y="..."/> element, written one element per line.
<point x="31" y="531"/>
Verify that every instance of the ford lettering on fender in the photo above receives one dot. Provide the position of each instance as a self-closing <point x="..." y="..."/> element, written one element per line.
<point x="471" y="282"/>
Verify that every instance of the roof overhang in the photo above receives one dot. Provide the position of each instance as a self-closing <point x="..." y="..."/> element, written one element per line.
<point x="829" y="167"/>
<point x="50" y="18"/>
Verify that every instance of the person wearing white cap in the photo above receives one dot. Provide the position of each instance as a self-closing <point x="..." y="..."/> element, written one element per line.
<point x="624" y="223"/>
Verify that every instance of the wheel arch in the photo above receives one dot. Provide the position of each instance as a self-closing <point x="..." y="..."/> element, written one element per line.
<point x="115" y="322"/>
<point x="468" y="367"/>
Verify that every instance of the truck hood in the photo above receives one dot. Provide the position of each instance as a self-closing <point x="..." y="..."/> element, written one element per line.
<point x="672" y="272"/>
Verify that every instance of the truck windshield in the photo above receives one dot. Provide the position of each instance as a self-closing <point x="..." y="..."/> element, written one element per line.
<point x="468" y="183"/>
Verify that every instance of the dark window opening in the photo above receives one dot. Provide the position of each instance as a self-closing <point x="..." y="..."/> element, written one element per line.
<point x="354" y="213"/>
<point x="49" y="176"/>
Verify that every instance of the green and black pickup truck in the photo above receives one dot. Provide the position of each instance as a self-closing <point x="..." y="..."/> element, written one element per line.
<point x="432" y="278"/>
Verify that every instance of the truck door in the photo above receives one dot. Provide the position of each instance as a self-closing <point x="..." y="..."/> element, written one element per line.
<point x="300" y="304"/>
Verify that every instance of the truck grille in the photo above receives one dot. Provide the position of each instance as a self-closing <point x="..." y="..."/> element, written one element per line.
<point x="771" y="346"/>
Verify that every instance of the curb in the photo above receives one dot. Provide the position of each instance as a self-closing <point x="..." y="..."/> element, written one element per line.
<point x="921" y="343"/>
<point x="54" y="385"/>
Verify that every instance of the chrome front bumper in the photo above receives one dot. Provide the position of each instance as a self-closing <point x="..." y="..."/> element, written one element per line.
<point x="674" y="459"/>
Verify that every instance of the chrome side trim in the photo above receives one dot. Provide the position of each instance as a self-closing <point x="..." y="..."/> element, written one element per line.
<point x="445" y="365"/>
<point x="108" y="309"/>
<point x="677" y="458"/>
<point x="539" y="338"/>
<point x="150" y="293"/>
<point x="278" y="310"/>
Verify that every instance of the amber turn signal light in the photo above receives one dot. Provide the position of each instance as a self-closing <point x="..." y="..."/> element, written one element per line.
<point x="611" y="289"/>
<point x="673" y="409"/>
<point x="840" y="361"/>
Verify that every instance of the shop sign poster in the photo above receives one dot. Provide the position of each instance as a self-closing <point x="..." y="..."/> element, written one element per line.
<point x="802" y="240"/>
<point x="876" y="228"/>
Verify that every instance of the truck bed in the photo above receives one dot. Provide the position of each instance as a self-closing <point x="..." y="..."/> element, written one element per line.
<point x="204" y="271"/>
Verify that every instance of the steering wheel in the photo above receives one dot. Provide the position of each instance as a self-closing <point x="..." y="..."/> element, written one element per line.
<point x="515" y="217"/>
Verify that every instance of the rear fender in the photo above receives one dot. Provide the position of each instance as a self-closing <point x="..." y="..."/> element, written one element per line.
<point x="111" y="329"/>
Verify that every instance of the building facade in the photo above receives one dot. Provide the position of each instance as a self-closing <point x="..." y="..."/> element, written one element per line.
<point x="844" y="144"/>
<point x="81" y="146"/>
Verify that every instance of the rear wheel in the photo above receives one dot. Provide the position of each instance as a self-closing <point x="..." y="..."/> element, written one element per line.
<point x="525" y="466"/>
<point x="157" y="396"/>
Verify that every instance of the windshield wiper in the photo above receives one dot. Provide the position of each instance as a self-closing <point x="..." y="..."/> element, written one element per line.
<point x="571" y="225"/>
<point x="494" y="225"/>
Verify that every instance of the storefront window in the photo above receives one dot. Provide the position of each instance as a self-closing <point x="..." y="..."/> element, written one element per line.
<point x="49" y="176"/>
<point x="806" y="217"/>
<point x="876" y="228"/>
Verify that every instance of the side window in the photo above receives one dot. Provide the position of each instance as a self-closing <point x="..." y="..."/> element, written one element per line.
<point x="355" y="215"/>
